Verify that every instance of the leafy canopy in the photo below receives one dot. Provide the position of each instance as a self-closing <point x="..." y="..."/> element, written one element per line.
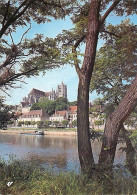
<point x="27" y="57"/>
<point x="115" y="65"/>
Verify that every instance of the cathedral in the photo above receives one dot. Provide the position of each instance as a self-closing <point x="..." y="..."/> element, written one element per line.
<point x="35" y="95"/>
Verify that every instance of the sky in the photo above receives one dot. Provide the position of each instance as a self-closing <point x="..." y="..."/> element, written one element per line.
<point x="51" y="79"/>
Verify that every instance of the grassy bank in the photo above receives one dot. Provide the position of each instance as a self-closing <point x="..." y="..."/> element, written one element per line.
<point x="20" y="177"/>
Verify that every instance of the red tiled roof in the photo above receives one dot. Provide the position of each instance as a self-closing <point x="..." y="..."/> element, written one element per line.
<point x="62" y="113"/>
<point x="33" y="112"/>
<point x="73" y="109"/>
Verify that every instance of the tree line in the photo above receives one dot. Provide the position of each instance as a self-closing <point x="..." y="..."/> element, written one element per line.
<point x="50" y="106"/>
<point x="47" y="124"/>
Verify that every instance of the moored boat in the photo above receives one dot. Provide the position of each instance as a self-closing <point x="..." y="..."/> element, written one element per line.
<point x="33" y="133"/>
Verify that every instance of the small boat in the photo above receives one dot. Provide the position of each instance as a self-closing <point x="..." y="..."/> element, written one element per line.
<point x="35" y="133"/>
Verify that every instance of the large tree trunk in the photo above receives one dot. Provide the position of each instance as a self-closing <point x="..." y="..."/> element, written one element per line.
<point x="84" y="145"/>
<point x="85" y="73"/>
<point x="114" y="123"/>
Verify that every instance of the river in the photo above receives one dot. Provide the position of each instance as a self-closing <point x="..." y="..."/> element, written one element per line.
<point x="57" y="152"/>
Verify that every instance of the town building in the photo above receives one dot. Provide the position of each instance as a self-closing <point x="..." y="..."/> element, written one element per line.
<point x="72" y="113"/>
<point x="33" y="115"/>
<point x="59" y="116"/>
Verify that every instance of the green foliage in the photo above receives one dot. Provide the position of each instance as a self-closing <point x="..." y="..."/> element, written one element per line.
<point x="27" y="123"/>
<point x="20" y="123"/>
<point x="47" y="124"/>
<point x="99" y="122"/>
<point x="115" y="65"/>
<point x="61" y="103"/>
<point x="131" y="120"/>
<point x="43" y="124"/>
<point x="47" y="105"/>
<point x="74" y="123"/>
<point x="5" y="114"/>
<point x="50" y="106"/>
<point x="133" y="137"/>
<point x="74" y="103"/>
<point x="40" y="124"/>
<point x="29" y="178"/>
<point x="19" y="173"/>
<point x="56" y="123"/>
<point x="33" y="123"/>
<point x="35" y="106"/>
<point x="65" y="122"/>
<point x="14" y="14"/>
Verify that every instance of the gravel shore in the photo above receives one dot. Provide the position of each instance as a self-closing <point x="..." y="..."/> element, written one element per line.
<point x="46" y="132"/>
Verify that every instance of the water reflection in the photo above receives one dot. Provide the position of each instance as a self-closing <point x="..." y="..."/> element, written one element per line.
<point x="57" y="152"/>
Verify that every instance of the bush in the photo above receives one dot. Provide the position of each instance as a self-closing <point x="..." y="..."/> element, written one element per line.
<point x="40" y="124"/>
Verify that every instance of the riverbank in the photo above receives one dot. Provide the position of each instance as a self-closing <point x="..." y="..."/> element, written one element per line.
<point x="51" y="132"/>
<point x="23" y="178"/>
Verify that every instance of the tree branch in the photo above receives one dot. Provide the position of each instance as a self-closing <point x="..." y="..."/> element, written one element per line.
<point x="14" y="17"/>
<point x="79" y="41"/>
<point x="111" y="33"/>
<point x="15" y="76"/>
<point x="6" y="12"/>
<point x="52" y="4"/>
<point x="114" y="4"/>
<point x="78" y="70"/>
<point x="24" y="34"/>
<point x="17" y="10"/>
<point x="5" y="92"/>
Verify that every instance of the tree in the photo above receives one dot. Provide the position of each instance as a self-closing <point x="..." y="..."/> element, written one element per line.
<point x="45" y="104"/>
<point x="19" y="123"/>
<point x="27" y="123"/>
<point x="35" y="106"/>
<point x="50" y="106"/>
<point x="5" y="114"/>
<point x="74" y="103"/>
<point x="65" y="122"/>
<point x="40" y="124"/>
<point x="117" y="57"/>
<point x="74" y="123"/>
<point x="18" y="60"/>
<point x="61" y="103"/>
<point x="47" y="124"/>
<point x="56" y="123"/>
<point x="87" y="30"/>
<point x="33" y="123"/>
<point x="114" y="122"/>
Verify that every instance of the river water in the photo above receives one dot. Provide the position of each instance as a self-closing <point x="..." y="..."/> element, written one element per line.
<point x="57" y="152"/>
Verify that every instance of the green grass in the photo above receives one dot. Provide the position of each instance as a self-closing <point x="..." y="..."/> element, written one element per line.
<point x="30" y="179"/>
